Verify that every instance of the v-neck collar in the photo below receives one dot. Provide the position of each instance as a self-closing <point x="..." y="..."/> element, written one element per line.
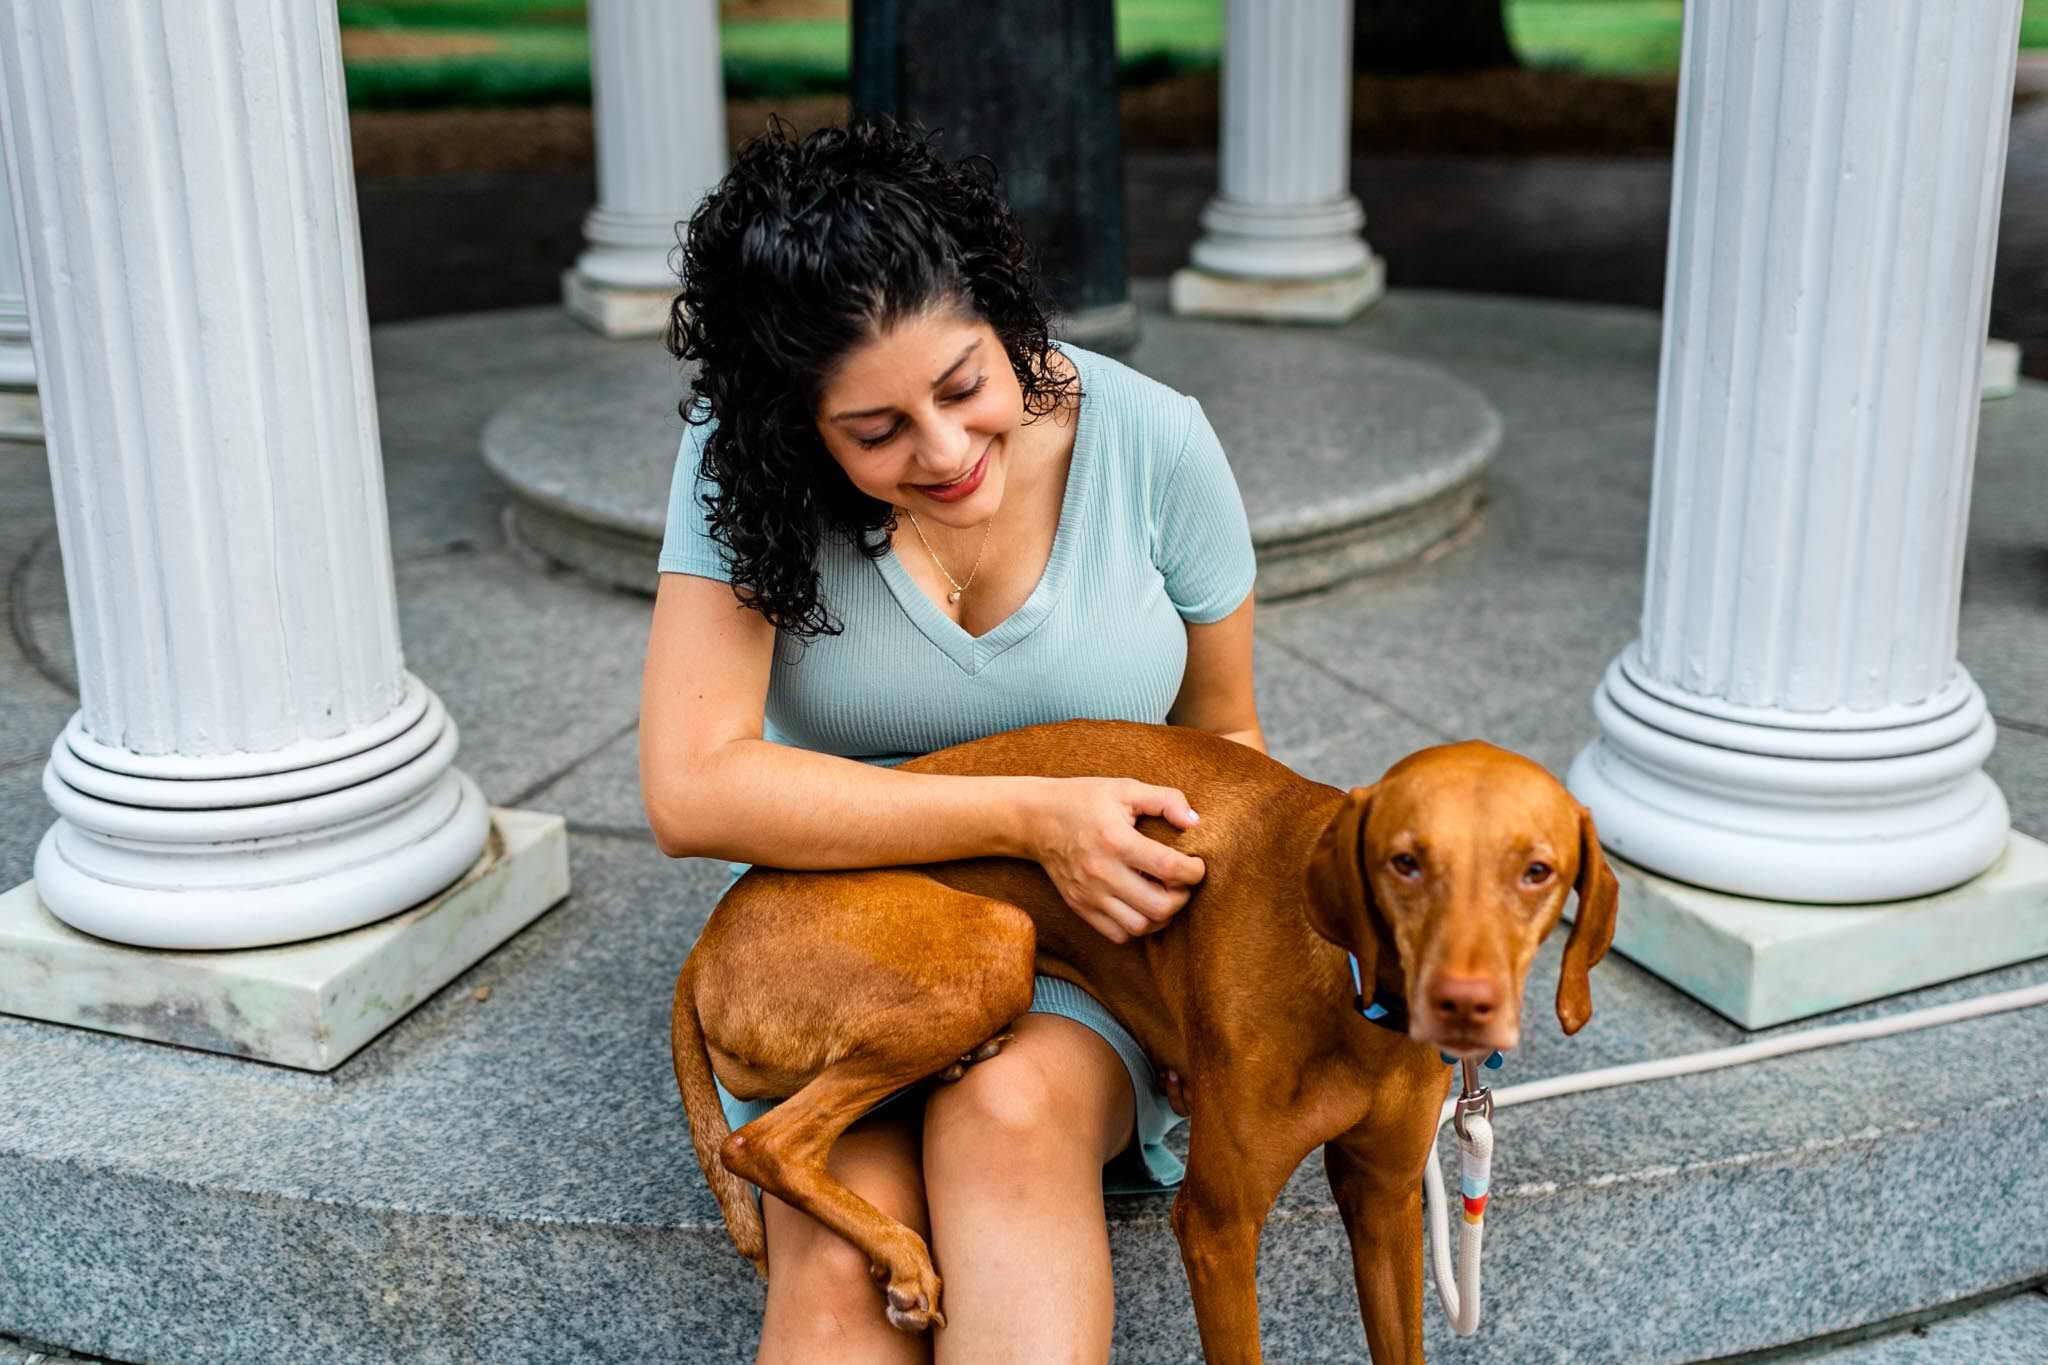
<point x="973" y="653"/>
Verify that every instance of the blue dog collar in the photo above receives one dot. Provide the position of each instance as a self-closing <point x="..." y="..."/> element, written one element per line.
<point x="1390" y="1013"/>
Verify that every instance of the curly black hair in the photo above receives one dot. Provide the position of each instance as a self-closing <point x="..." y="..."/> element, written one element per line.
<point x="807" y="248"/>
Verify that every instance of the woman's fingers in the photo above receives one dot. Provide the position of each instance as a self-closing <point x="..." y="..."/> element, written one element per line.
<point x="1164" y="802"/>
<point x="1153" y="858"/>
<point x="1158" y="903"/>
<point x="1126" y="919"/>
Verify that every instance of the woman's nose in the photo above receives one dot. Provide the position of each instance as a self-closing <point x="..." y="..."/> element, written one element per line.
<point x="941" y="445"/>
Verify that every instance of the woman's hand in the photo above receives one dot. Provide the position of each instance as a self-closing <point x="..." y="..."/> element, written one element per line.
<point x="1083" y="832"/>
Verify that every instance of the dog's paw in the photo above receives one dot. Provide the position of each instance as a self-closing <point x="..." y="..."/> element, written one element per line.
<point x="955" y="1070"/>
<point x="912" y="1310"/>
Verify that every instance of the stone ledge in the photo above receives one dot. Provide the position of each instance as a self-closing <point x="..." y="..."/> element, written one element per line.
<point x="310" y="1005"/>
<point x="1350" y="460"/>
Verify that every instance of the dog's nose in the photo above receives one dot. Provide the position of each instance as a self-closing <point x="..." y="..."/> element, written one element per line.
<point x="1466" y="1002"/>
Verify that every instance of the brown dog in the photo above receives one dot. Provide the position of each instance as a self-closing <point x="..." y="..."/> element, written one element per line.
<point x="839" y="988"/>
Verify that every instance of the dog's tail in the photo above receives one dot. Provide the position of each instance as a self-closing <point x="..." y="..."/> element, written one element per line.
<point x="708" y="1130"/>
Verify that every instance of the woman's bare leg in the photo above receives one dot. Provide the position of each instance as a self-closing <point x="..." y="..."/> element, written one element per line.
<point x="822" y="1303"/>
<point x="1013" y="1156"/>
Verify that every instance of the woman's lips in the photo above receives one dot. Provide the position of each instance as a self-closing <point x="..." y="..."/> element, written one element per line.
<point x="960" y="487"/>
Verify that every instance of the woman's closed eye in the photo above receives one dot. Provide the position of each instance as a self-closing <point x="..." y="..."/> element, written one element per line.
<point x="956" y="396"/>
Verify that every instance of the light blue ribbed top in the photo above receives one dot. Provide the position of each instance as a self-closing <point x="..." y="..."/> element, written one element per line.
<point x="1151" y="534"/>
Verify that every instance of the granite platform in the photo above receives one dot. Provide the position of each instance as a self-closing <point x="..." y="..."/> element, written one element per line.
<point x="1351" y="459"/>
<point x="509" y="1178"/>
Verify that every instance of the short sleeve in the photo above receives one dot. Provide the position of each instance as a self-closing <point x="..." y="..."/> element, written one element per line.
<point x="686" y="544"/>
<point x="1202" y="542"/>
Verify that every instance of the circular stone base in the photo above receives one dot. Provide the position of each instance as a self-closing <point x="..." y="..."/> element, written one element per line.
<point x="1349" y="461"/>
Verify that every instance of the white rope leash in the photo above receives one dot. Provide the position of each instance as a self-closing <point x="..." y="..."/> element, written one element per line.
<point x="1460" y="1295"/>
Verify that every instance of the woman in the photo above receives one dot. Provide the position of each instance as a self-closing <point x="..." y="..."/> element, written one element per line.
<point x="901" y="518"/>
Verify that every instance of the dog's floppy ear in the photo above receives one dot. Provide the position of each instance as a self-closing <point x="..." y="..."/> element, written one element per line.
<point x="1592" y="928"/>
<point x="1339" y="891"/>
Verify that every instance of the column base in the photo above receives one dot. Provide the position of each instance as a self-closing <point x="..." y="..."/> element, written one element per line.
<point x="613" y="311"/>
<point x="1765" y="962"/>
<point x="1111" y="328"/>
<point x="1336" y="299"/>
<point x="309" y="1005"/>
<point x="21" y="415"/>
<point x="1825" y="808"/>
<point x="2001" y="376"/>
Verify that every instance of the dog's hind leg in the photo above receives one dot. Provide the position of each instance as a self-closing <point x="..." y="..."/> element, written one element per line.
<point x="938" y="975"/>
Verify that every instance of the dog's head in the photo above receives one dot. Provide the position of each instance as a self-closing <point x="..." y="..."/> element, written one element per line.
<point x="1460" y="860"/>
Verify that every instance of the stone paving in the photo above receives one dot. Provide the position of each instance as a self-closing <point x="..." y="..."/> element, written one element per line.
<point x="510" y="1180"/>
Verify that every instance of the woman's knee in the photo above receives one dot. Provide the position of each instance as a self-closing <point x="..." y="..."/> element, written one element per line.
<point x="813" y="1262"/>
<point x="1047" y="1098"/>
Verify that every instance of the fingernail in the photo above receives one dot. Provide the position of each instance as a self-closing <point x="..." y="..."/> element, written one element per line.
<point x="1192" y="817"/>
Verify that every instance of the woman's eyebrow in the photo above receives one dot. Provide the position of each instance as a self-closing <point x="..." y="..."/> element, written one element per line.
<point x="938" y="383"/>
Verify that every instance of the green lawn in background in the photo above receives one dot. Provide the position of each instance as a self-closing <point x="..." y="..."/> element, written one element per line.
<point x="542" y="50"/>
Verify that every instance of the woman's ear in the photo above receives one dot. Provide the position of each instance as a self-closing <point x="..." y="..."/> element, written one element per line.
<point x="1339" y="890"/>
<point x="1592" y="928"/>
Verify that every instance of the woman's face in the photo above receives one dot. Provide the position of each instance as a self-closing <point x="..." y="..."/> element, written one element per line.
<point x="923" y="416"/>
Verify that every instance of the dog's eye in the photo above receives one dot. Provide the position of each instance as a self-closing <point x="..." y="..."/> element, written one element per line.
<point x="1405" y="865"/>
<point x="1537" y="874"/>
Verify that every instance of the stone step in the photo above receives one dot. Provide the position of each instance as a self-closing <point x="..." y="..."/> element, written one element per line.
<point x="509" y="1179"/>
<point x="1350" y="460"/>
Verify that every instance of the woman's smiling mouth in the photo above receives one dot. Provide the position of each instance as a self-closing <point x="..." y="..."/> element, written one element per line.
<point x="960" y="487"/>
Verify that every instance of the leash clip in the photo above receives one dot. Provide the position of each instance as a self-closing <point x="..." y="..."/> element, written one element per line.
<point x="1476" y="1099"/>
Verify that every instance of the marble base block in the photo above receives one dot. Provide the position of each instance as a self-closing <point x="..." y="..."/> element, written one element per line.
<point x="1198" y="293"/>
<point x="2001" y="378"/>
<point x="612" y="311"/>
<point x="310" y="1005"/>
<point x="1765" y="962"/>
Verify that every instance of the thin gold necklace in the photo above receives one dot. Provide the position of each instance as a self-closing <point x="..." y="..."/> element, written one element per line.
<point x="958" y="586"/>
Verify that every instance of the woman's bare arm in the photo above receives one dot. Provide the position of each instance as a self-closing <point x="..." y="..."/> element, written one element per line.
<point x="714" y="788"/>
<point x="1216" y="690"/>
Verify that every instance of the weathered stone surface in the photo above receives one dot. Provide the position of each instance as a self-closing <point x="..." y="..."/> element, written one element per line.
<point x="309" y="1005"/>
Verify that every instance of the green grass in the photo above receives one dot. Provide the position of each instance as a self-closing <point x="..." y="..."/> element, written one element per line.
<point x="1616" y="36"/>
<point x="543" y="51"/>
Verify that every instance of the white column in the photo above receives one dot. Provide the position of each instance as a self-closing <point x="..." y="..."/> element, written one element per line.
<point x="20" y="415"/>
<point x="1793" y="723"/>
<point x="251" y="763"/>
<point x="659" y="102"/>
<point x="1281" y="239"/>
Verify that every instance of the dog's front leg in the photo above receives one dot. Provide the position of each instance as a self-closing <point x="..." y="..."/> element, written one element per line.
<point x="1377" y="1182"/>
<point x="1230" y="1187"/>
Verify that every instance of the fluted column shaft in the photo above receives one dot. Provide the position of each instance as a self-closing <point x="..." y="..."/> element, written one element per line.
<point x="17" y="360"/>
<point x="250" y="763"/>
<point x="1284" y="210"/>
<point x="1793" y="722"/>
<point x="659" y="104"/>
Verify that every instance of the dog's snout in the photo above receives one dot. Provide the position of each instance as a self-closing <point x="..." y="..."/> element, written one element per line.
<point x="1466" y="1002"/>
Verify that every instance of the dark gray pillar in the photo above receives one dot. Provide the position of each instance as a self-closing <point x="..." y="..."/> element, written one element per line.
<point x="1033" y="88"/>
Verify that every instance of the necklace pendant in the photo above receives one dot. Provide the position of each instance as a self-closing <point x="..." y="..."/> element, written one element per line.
<point x="953" y="596"/>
